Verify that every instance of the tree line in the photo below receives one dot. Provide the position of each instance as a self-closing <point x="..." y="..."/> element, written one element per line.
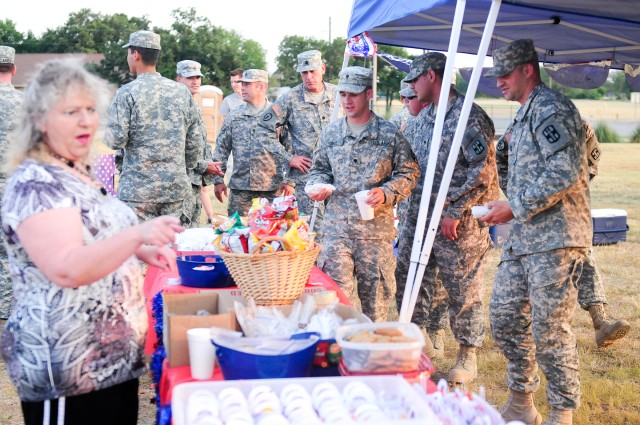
<point x="220" y="50"/>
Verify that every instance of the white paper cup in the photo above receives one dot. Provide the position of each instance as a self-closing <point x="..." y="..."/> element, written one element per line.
<point x="201" y="353"/>
<point x="478" y="211"/>
<point x="366" y="211"/>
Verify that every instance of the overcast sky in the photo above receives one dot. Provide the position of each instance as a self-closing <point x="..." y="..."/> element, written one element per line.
<point x="265" y="22"/>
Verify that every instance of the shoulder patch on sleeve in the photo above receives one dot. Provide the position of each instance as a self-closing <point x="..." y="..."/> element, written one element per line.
<point x="553" y="135"/>
<point x="269" y="118"/>
<point x="277" y="110"/>
<point x="474" y="146"/>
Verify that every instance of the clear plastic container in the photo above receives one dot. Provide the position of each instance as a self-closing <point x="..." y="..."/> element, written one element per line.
<point x="381" y="357"/>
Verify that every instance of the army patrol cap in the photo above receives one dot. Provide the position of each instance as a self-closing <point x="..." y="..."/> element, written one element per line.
<point x="406" y="90"/>
<point x="423" y="63"/>
<point x="254" y="76"/>
<point x="146" y="39"/>
<point x="309" y="61"/>
<point x="189" y="69"/>
<point x="355" y="79"/>
<point x="507" y="58"/>
<point x="7" y="54"/>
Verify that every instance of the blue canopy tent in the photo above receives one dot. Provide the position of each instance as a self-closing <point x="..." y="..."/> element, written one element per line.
<point x="564" y="31"/>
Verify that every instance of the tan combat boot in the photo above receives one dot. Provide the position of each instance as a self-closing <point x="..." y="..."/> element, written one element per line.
<point x="559" y="417"/>
<point x="428" y="349"/>
<point x="520" y="407"/>
<point x="437" y="338"/>
<point x="466" y="368"/>
<point x="607" y="331"/>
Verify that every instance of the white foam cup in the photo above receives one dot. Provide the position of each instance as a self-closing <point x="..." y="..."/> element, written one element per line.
<point x="201" y="353"/>
<point x="366" y="211"/>
<point x="478" y="211"/>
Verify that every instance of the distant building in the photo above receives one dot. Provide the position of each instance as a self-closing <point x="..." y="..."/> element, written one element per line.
<point x="27" y="64"/>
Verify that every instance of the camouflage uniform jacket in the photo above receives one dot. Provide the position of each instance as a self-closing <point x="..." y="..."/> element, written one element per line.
<point x="198" y="175"/>
<point x="156" y="122"/>
<point x="475" y="178"/>
<point x="547" y="176"/>
<point x="302" y="121"/>
<point x="10" y="102"/>
<point x="593" y="154"/>
<point x="379" y="157"/>
<point x="257" y="161"/>
<point x="593" y="150"/>
<point x="400" y="118"/>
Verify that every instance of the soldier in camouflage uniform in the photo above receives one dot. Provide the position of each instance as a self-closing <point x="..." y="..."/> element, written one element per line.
<point x="362" y="152"/>
<point x="155" y="122"/>
<point x="188" y="73"/>
<point x="400" y="118"/>
<point x="433" y="302"/>
<point x="258" y="164"/>
<point x="461" y="244"/>
<point x="591" y="296"/>
<point x="302" y="113"/>
<point x="10" y="102"/>
<point x="534" y="294"/>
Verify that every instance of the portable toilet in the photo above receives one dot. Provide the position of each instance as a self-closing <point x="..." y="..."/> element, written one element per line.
<point x="209" y="100"/>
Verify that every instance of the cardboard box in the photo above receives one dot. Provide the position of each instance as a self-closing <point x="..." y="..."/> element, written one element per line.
<point x="179" y="315"/>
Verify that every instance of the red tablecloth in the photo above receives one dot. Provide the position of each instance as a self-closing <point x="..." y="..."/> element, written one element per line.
<point x="156" y="281"/>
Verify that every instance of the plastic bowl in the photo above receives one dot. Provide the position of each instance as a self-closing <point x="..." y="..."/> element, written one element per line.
<point x="213" y="272"/>
<point x="240" y="365"/>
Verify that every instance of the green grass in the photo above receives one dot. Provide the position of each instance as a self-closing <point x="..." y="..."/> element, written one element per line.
<point x="610" y="377"/>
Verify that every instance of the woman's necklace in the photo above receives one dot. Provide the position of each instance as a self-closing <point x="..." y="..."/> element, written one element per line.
<point x="85" y="172"/>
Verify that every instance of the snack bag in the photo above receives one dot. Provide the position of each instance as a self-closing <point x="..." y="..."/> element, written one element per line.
<point x="286" y="207"/>
<point x="297" y="237"/>
<point x="231" y="223"/>
<point x="236" y="242"/>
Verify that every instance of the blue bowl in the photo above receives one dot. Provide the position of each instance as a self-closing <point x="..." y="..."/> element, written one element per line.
<point x="240" y="365"/>
<point x="216" y="274"/>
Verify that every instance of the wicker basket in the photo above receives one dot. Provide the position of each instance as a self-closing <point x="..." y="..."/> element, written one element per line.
<point x="271" y="279"/>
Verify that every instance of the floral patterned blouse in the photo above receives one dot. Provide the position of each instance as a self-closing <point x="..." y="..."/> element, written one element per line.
<point x="61" y="342"/>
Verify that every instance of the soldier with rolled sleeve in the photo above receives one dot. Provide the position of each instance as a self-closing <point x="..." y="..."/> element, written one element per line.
<point x="258" y="166"/>
<point x="534" y="293"/>
<point x="461" y="243"/>
<point x="10" y="102"/>
<point x="362" y="152"/>
<point x="189" y="74"/>
<point x="302" y="113"/>
<point x="155" y="122"/>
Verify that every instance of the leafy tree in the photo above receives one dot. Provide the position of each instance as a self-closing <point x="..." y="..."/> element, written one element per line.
<point x="389" y="77"/>
<point x="287" y="59"/>
<point x="10" y="36"/>
<point x="89" y="32"/>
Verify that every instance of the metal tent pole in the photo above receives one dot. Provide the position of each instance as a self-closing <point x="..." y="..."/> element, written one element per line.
<point x="407" y="310"/>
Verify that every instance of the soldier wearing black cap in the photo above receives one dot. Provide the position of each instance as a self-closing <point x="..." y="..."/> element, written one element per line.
<point x="534" y="293"/>
<point x="10" y="101"/>
<point x="155" y="122"/>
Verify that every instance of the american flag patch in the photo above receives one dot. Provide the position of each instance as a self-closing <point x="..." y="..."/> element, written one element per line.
<point x="277" y="110"/>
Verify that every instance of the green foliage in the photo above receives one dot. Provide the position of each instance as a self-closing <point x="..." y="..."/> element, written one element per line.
<point x="389" y="77"/>
<point x="635" y="137"/>
<point x="287" y="58"/>
<point x="190" y="37"/>
<point x="606" y="134"/>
